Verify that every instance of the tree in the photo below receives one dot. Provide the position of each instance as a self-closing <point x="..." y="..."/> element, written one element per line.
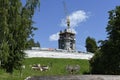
<point x="37" y="44"/>
<point x="91" y="45"/>
<point x="16" y="26"/>
<point x="109" y="58"/>
<point x="32" y="43"/>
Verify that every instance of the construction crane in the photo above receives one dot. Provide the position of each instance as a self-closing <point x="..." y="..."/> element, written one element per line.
<point x="66" y="14"/>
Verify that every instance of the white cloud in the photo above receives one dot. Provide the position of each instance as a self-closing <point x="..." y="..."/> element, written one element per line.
<point x="75" y="18"/>
<point x="73" y="30"/>
<point x="54" y="37"/>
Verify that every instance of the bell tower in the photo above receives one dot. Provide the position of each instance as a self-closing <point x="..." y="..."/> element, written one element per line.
<point x="66" y="39"/>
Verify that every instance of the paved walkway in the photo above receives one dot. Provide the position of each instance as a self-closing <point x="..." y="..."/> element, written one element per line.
<point x="77" y="77"/>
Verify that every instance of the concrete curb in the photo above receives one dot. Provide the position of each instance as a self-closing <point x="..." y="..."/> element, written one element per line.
<point x="77" y="77"/>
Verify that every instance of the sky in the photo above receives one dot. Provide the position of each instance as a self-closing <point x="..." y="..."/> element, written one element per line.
<point x="87" y="17"/>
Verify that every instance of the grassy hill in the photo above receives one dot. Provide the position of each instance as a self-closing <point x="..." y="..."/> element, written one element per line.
<point x="57" y="67"/>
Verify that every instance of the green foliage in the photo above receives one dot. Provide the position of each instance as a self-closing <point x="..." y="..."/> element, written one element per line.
<point x="15" y="28"/>
<point x="57" y="68"/>
<point x="32" y="43"/>
<point x="96" y="63"/>
<point x="109" y="60"/>
<point x="91" y="45"/>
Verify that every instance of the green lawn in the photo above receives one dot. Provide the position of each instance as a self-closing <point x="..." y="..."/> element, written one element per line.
<point x="57" y="68"/>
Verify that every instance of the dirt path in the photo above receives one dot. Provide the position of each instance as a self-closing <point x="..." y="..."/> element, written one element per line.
<point x="77" y="77"/>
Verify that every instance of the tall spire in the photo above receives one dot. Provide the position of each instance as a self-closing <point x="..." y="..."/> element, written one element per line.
<point x="68" y="22"/>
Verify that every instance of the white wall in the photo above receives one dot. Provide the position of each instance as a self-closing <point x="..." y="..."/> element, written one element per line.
<point x="53" y="54"/>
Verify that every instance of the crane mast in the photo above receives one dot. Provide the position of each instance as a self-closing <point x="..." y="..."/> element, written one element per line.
<point x="66" y="14"/>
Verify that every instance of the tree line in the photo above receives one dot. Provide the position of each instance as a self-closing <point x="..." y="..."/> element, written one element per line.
<point x="107" y="57"/>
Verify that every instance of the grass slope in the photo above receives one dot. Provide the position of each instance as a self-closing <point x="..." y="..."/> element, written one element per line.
<point x="57" y="67"/>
